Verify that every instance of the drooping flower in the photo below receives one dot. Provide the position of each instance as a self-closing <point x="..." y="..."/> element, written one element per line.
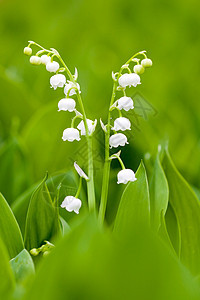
<point x="57" y="80"/>
<point x="138" y="69"/>
<point x="126" y="175"/>
<point x="69" y="86"/>
<point x="66" y="104"/>
<point x="52" y="66"/>
<point x="45" y="59"/>
<point x="146" y="63"/>
<point x="118" y="139"/>
<point x="91" y="126"/>
<point x="80" y="171"/>
<point x="71" y="134"/>
<point x="27" y="51"/>
<point x="121" y="124"/>
<point x="70" y="203"/>
<point x="35" y="60"/>
<point x="129" y="80"/>
<point x="125" y="103"/>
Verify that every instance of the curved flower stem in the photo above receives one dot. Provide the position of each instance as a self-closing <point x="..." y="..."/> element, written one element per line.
<point x="106" y="171"/>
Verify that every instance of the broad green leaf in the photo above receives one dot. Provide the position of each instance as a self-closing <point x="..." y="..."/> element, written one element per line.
<point x="173" y="229"/>
<point x="22" y="266"/>
<point x="186" y="207"/>
<point x="134" y="207"/>
<point x="9" y="229"/>
<point x="7" y="282"/>
<point x="164" y="233"/>
<point x="159" y="194"/>
<point x="65" y="227"/>
<point x="42" y="221"/>
<point x="69" y="183"/>
<point x="89" y="264"/>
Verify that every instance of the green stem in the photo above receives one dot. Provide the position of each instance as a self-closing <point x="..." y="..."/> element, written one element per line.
<point x="79" y="188"/>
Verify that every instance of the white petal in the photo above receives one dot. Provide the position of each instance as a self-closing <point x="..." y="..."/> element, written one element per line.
<point x="80" y="171"/>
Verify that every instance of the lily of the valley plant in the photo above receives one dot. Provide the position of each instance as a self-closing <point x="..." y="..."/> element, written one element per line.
<point x="128" y="76"/>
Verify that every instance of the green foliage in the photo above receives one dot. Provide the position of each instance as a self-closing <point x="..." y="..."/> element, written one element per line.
<point x="158" y="194"/>
<point x="6" y="277"/>
<point x="22" y="266"/>
<point x="186" y="207"/>
<point x="9" y="229"/>
<point x="134" y="208"/>
<point x="42" y="221"/>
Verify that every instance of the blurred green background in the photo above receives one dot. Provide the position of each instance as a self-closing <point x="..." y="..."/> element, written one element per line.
<point x="97" y="37"/>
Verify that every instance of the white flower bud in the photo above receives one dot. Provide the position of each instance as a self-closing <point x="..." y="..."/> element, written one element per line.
<point x="35" y="60"/>
<point x="91" y="126"/>
<point x="57" y="80"/>
<point x="70" y="85"/>
<point x="138" y="69"/>
<point x="126" y="175"/>
<point x="66" y="104"/>
<point x="125" y="103"/>
<point x="45" y="59"/>
<point x="71" y="134"/>
<point x="129" y="80"/>
<point x="146" y="63"/>
<point x="122" y="124"/>
<point x="27" y="51"/>
<point x="52" y="66"/>
<point x="70" y="203"/>
<point x="80" y="171"/>
<point x="118" y="139"/>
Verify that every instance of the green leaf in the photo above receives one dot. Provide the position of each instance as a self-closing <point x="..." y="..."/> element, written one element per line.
<point x="173" y="229"/>
<point x="22" y="266"/>
<point x="164" y="233"/>
<point x="7" y="282"/>
<point x="134" y="207"/>
<point x="103" y="267"/>
<point x="9" y="229"/>
<point x="42" y="221"/>
<point x="159" y="194"/>
<point x="186" y="207"/>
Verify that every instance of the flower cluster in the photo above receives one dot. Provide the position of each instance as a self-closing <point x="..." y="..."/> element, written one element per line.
<point x="122" y="80"/>
<point x="115" y="129"/>
<point x="70" y="88"/>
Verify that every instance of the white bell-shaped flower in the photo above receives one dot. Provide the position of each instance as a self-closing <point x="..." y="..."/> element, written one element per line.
<point x="70" y="203"/>
<point x="69" y="86"/>
<point x="57" y="80"/>
<point x="91" y="126"/>
<point x="66" y="104"/>
<point x="45" y="59"/>
<point x="35" y="60"/>
<point x="52" y="66"/>
<point x="80" y="172"/>
<point x="146" y="63"/>
<point x="125" y="103"/>
<point x="27" y="51"/>
<point x="126" y="175"/>
<point x="129" y="80"/>
<point x="122" y="124"/>
<point x="71" y="134"/>
<point x="118" y="139"/>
